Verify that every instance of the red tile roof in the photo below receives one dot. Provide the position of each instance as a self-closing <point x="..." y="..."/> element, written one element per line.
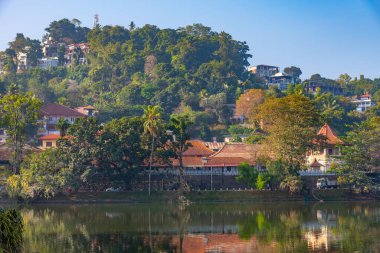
<point x="60" y="111"/>
<point x="331" y="137"/>
<point x="226" y="161"/>
<point x="197" y="148"/>
<point x="53" y="137"/>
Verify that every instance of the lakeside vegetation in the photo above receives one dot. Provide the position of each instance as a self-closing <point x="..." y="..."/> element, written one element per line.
<point x="145" y="81"/>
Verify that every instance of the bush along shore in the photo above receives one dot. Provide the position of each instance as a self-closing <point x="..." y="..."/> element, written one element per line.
<point x="238" y="196"/>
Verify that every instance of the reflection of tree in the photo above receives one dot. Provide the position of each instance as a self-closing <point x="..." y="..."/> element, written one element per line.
<point x="10" y="230"/>
<point x="282" y="228"/>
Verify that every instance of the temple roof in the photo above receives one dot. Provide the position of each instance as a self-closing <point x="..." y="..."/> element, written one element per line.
<point x="331" y="137"/>
<point x="197" y="148"/>
<point x="316" y="164"/>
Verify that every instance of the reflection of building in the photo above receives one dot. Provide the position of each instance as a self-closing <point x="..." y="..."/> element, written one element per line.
<point x="319" y="234"/>
<point x="363" y="102"/>
<point x="226" y="243"/>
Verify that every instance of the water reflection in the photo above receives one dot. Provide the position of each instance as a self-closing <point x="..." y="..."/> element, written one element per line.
<point x="289" y="227"/>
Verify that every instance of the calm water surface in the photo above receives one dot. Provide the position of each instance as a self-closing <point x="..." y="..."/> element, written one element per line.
<point x="280" y="227"/>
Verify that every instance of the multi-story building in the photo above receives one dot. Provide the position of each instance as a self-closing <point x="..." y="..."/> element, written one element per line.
<point x="77" y="50"/>
<point x="264" y="71"/>
<point x="281" y="80"/>
<point x="363" y="102"/>
<point x="52" y="113"/>
<point x="322" y="85"/>
<point x="327" y="150"/>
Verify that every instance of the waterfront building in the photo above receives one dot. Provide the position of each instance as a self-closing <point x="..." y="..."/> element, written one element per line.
<point x="264" y="71"/>
<point x="280" y="80"/>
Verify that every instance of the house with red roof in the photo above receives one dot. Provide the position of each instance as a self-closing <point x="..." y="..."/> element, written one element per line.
<point x="326" y="151"/>
<point x="50" y="115"/>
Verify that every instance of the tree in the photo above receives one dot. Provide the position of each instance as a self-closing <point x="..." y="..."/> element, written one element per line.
<point x="344" y="80"/>
<point x="291" y="183"/>
<point x="152" y="124"/>
<point x="248" y="103"/>
<point x="179" y="125"/>
<point x="11" y="230"/>
<point x="18" y="113"/>
<point x="290" y="123"/>
<point x="294" y="72"/>
<point x="62" y="125"/>
<point x="247" y="174"/>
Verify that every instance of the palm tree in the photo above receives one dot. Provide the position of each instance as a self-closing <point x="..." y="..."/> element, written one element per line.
<point x="152" y="121"/>
<point x="62" y="125"/>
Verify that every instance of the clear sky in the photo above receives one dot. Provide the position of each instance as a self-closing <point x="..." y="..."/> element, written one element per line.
<point x="329" y="37"/>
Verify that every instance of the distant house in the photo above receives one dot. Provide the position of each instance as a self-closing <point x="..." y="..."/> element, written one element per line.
<point x="46" y="63"/>
<point x="264" y="71"/>
<point x="50" y="115"/>
<point x="22" y="59"/>
<point x="3" y="135"/>
<point x="50" y="141"/>
<point x="327" y="150"/>
<point x="77" y="50"/>
<point x="280" y="80"/>
<point x="363" y="102"/>
<point x="87" y="110"/>
<point x="322" y="85"/>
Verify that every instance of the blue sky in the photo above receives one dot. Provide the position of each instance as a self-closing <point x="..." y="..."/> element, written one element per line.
<point x="329" y="37"/>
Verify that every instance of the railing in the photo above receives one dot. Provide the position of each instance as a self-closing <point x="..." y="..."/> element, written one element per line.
<point x="306" y="173"/>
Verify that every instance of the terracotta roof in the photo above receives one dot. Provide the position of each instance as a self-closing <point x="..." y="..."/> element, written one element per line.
<point x="197" y="148"/>
<point x="226" y="161"/>
<point x="52" y="137"/>
<point x="247" y="151"/>
<point x="316" y="164"/>
<point x="59" y="110"/>
<point x="331" y="137"/>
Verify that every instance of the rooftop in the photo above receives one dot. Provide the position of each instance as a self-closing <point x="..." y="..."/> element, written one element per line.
<point x="59" y="110"/>
<point x="331" y="137"/>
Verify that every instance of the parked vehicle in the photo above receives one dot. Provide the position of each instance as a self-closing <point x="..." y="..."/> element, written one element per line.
<point x="113" y="189"/>
<point x="325" y="183"/>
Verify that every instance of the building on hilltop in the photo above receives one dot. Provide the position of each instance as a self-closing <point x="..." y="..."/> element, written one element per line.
<point x="264" y="71"/>
<point x="363" y="102"/>
<point x="322" y="85"/>
<point x="280" y="80"/>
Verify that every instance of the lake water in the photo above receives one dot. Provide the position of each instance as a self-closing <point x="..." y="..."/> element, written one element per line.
<point x="265" y="227"/>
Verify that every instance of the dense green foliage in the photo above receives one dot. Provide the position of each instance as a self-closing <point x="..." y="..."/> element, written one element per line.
<point x="11" y="228"/>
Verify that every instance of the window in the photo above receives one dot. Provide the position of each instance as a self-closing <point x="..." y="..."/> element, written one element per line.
<point x="50" y="118"/>
<point x="49" y="144"/>
<point x="1" y="132"/>
<point x="330" y="151"/>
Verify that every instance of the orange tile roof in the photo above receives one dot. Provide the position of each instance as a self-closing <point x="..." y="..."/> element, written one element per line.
<point x="331" y="137"/>
<point x="197" y="148"/>
<point x="53" y="137"/>
<point x="50" y="137"/>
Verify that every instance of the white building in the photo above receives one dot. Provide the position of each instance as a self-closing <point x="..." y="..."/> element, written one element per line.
<point x="281" y="80"/>
<point x="264" y="71"/>
<point x="51" y="114"/>
<point x="3" y="135"/>
<point x="363" y="102"/>
<point x="46" y="63"/>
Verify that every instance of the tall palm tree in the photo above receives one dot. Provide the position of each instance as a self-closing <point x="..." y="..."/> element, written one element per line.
<point x="62" y="125"/>
<point x="152" y="121"/>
